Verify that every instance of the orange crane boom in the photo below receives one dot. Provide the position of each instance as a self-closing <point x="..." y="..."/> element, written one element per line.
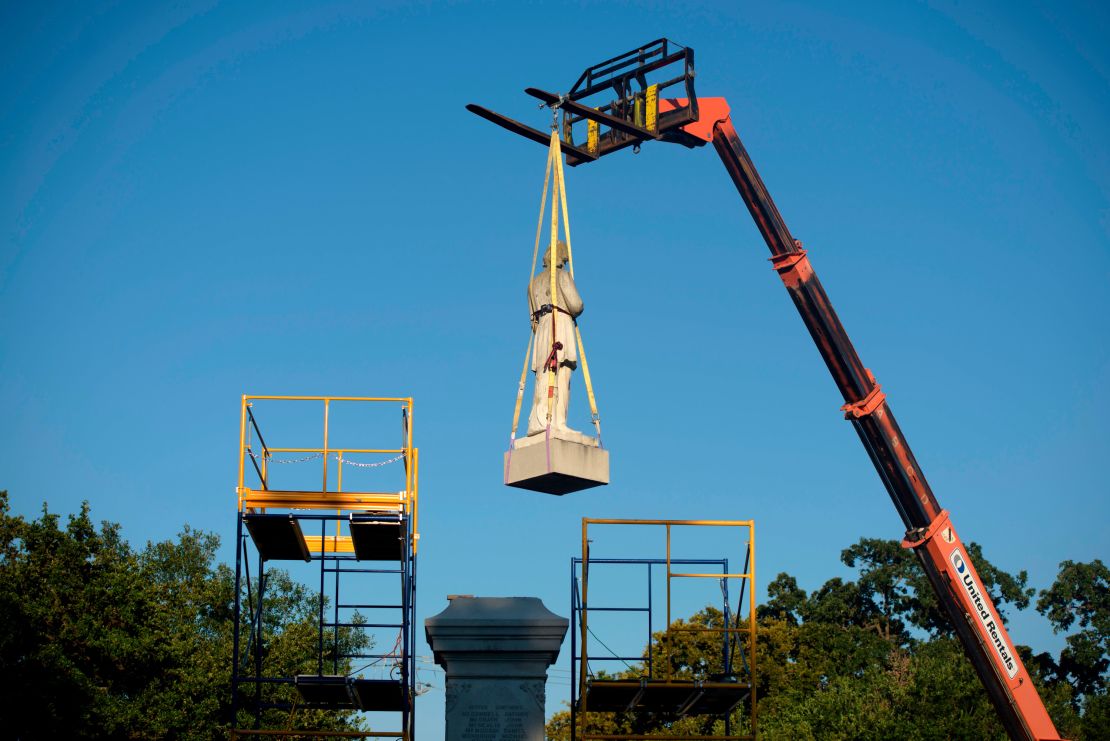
<point x="633" y="111"/>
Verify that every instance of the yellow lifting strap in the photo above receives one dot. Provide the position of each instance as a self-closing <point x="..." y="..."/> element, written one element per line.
<point x="577" y="332"/>
<point x="554" y="151"/>
<point x="558" y="187"/>
<point x="531" y="307"/>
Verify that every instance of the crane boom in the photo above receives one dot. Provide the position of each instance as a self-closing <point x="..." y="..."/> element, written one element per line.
<point x="929" y="530"/>
<point x="640" y="112"/>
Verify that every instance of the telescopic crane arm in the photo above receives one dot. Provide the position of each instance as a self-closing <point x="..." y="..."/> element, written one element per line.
<point x="929" y="530"/>
<point x="639" y="113"/>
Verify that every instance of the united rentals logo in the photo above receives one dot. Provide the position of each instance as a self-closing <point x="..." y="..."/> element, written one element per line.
<point x="991" y="624"/>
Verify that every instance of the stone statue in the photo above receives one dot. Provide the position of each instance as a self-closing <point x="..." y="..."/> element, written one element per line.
<point x="560" y="351"/>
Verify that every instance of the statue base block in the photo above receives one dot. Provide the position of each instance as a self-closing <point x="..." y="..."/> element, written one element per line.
<point x="560" y="464"/>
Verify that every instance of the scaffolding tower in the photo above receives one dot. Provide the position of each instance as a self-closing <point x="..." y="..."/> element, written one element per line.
<point x="362" y="546"/>
<point x="658" y="686"/>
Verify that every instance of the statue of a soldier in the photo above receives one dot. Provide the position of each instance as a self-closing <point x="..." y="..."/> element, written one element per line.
<point x="553" y="347"/>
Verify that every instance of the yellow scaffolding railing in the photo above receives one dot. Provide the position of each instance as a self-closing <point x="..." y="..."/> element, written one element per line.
<point x="377" y="526"/>
<point x="331" y="494"/>
<point x="636" y="693"/>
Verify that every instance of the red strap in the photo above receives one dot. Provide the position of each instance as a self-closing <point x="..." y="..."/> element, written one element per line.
<point x="552" y="362"/>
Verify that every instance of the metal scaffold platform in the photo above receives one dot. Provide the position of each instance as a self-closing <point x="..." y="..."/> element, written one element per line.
<point x="658" y="689"/>
<point x="356" y="544"/>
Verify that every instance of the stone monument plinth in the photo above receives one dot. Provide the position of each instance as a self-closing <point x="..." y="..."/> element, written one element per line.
<point x="495" y="652"/>
<point x="559" y="463"/>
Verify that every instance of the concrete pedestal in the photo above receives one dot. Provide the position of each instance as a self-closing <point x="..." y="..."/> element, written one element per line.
<point x="561" y="463"/>
<point x="495" y="652"/>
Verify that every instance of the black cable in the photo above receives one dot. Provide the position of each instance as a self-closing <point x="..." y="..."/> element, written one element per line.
<point x="615" y="656"/>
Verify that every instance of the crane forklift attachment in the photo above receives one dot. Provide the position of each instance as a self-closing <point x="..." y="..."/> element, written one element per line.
<point x="621" y="102"/>
<point x="526" y="131"/>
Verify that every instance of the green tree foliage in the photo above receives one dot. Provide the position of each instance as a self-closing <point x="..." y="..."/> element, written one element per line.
<point x="290" y="647"/>
<point x="100" y="640"/>
<point x="1080" y="597"/>
<point x="872" y="657"/>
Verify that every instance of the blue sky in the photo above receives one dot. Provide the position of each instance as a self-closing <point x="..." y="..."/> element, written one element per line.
<point x="202" y="200"/>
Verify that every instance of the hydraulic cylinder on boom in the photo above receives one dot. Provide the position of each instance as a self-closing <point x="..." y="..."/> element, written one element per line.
<point x="633" y="112"/>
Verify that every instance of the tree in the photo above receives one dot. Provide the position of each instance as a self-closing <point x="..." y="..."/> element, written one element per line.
<point x="1080" y="597"/>
<point x="290" y="647"/>
<point x="896" y="596"/>
<point x="784" y="599"/>
<point x="873" y="657"/>
<point x="886" y="590"/>
<point x="102" y="641"/>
